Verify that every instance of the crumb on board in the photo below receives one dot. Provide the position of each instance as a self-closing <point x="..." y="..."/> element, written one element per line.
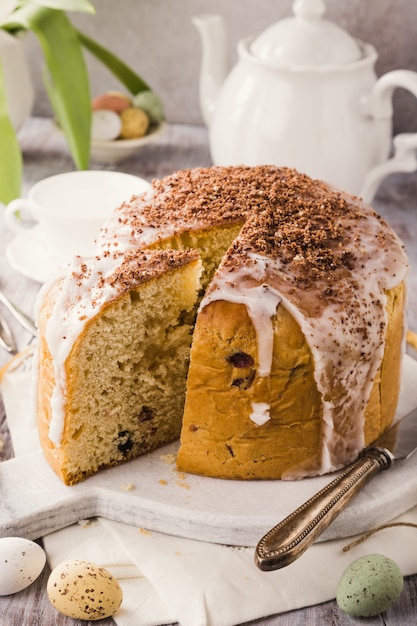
<point x="169" y="459"/>
<point x="162" y="481"/>
<point x="127" y="487"/>
<point x="182" y="480"/>
<point x="84" y="523"/>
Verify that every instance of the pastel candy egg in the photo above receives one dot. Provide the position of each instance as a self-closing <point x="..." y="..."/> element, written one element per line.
<point x="111" y="101"/>
<point x="149" y="102"/>
<point x="135" y="123"/>
<point x="369" y="586"/>
<point x="21" y="562"/>
<point x="84" y="590"/>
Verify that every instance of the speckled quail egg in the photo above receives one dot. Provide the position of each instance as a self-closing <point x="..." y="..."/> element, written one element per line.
<point x="84" y="590"/>
<point x="21" y="562"/>
<point x="369" y="586"/>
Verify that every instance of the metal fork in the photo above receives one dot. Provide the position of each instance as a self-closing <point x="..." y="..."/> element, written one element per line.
<point x="7" y="340"/>
<point x="23" y="319"/>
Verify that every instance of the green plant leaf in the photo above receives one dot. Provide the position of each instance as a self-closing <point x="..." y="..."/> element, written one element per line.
<point x="82" y="6"/>
<point x="16" y="21"/>
<point x="10" y="154"/>
<point x="66" y="81"/>
<point x="127" y="77"/>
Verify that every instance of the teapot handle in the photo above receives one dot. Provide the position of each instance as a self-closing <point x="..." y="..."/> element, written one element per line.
<point x="404" y="158"/>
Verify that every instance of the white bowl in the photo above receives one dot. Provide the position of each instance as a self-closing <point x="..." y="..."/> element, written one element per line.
<point x="121" y="149"/>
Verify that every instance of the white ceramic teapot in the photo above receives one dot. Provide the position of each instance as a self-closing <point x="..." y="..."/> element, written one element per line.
<point x="303" y="94"/>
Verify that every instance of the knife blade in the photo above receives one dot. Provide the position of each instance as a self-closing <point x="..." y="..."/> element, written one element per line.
<point x="7" y="340"/>
<point x="291" y="537"/>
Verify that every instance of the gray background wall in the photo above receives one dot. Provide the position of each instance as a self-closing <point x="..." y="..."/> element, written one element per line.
<point x="157" y="39"/>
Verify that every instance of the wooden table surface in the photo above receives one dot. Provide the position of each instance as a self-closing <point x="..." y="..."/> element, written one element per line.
<point x="45" y="154"/>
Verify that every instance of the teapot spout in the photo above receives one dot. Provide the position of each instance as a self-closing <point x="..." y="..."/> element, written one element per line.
<point x="214" y="68"/>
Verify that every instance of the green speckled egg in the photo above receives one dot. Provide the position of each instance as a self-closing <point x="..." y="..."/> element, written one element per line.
<point x="151" y="104"/>
<point x="369" y="586"/>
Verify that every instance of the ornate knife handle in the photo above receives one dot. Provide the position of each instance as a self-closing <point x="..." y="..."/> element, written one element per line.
<point x="290" y="538"/>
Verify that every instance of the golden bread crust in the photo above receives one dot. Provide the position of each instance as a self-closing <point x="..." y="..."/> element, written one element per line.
<point x="218" y="437"/>
<point x="46" y="384"/>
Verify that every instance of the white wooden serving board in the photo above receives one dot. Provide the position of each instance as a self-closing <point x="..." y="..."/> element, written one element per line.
<point x="148" y="492"/>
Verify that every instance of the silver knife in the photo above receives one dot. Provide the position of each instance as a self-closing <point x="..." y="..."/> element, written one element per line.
<point x="289" y="539"/>
<point x="7" y="340"/>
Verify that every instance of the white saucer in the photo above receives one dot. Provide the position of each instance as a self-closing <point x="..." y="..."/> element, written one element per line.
<point x="30" y="257"/>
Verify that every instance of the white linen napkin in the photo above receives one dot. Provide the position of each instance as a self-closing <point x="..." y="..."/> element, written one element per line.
<point x="167" y="579"/>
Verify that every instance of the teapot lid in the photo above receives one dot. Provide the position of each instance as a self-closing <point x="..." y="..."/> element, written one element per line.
<point x="306" y="39"/>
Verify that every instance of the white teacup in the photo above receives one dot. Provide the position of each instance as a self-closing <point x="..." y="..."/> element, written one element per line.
<point x="66" y="211"/>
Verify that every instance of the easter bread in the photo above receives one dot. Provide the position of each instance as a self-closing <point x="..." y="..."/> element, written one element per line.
<point x="254" y="312"/>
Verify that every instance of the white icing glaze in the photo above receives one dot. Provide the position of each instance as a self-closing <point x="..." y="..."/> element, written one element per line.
<point x="260" y="413"/>
<point x="261" y="301"/>
<point x="77" y="302"/>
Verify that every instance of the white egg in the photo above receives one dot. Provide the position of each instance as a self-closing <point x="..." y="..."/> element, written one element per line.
<point x="105" y="125"/>
<point x="21" y="562"/>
